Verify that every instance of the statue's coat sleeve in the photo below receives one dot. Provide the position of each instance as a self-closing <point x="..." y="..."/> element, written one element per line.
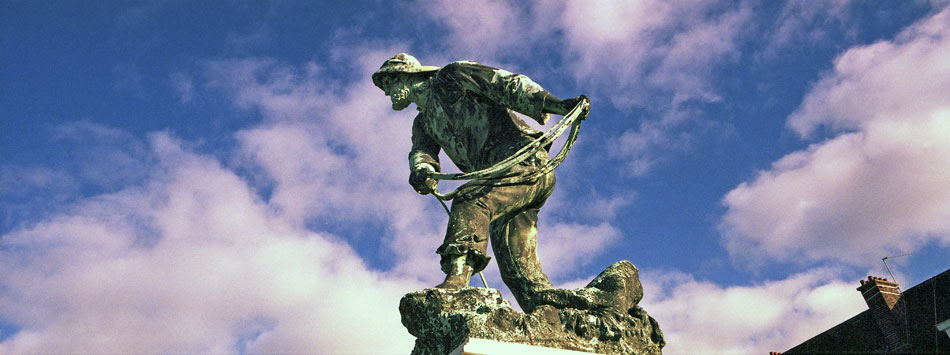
<point x="425" y="150"/>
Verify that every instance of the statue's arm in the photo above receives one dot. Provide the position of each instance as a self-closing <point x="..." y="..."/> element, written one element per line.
<point x="425" y="150"/>
<point x="423" y="159"/>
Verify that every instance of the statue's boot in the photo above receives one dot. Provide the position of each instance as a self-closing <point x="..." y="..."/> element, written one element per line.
<point x="458" y="276"/>
<point x="618" y="287"/>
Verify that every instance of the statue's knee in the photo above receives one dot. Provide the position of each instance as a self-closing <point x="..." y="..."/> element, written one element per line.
<point x="475" y="257"/>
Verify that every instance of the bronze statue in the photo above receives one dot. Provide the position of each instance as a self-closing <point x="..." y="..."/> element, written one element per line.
<point x="465" y="108"/>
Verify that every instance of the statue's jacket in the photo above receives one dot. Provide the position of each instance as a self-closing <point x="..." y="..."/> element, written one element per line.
<point x="467" y="112"/>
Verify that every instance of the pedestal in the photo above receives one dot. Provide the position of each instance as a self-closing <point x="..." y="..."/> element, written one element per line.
<point x="476" y="346"/>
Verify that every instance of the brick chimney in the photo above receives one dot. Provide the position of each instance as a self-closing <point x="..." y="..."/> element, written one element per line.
<point x="883" y="299"/>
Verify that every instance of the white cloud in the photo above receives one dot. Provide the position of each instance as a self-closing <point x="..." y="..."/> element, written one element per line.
<point x="641" y="148"/>
<point x="183" y="86"/>
<point x="564" y="247"/>
<point x="480" y="29"/>
<point x="89" y="158"/>
<point x="574" y="229"/>
<point x="335" y="154"/>
<point x="631" y="50"/>
<point x="877" y="188"/>
<point x="31" y="193"/>
<point x="106" y="157"/>
<point x="773" y="316"/>
<point x="660" y="55"/>
<point x="903" y="80"/>
<point x="805" y="21"/>
<point x="191" y="261"/>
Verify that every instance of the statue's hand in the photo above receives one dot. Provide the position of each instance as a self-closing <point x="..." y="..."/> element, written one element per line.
<point x="562" y="107"/>
<point x="570" y="103"/>
<point x="420" y="180"/>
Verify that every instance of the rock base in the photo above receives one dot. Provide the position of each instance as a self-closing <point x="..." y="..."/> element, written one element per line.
<point x="442" y="320"/>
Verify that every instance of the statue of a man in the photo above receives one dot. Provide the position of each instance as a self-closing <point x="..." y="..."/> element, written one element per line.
<point x="466" y="109"/>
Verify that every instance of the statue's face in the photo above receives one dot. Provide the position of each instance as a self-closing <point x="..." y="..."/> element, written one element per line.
<point x="397" y="88"/>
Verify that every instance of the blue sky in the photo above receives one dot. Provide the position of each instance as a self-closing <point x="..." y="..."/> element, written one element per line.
<point x="223" y="177"/>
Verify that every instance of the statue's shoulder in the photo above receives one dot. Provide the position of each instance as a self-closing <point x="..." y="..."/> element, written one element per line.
<point x="456" y="78"/>
<point x="464" y="62"/>
<point x="453" y="74"/>
<point x="464" y="71"/>
<point x="461" y="66"/>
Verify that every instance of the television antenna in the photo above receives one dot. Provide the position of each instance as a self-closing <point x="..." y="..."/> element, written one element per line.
<point x="884" y="260"/>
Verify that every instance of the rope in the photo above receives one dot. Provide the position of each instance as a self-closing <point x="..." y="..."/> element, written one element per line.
<point x="497" y="174"/>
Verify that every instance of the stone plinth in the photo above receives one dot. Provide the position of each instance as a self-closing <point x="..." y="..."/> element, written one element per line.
<point x="443" y="320"/>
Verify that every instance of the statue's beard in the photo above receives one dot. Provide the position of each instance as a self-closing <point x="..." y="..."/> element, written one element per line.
<point x="400" y="99"/>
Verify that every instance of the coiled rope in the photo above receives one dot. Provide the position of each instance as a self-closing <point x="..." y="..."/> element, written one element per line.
<point x="498" y="174"/>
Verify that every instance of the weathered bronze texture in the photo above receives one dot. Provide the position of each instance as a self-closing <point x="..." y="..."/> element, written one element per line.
<point x="466" y="109"/>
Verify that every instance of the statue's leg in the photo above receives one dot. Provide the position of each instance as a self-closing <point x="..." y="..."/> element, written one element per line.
<point x="515" y="243"/>
<point x="470" y="220"/>
<point x="466" y="240"/>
